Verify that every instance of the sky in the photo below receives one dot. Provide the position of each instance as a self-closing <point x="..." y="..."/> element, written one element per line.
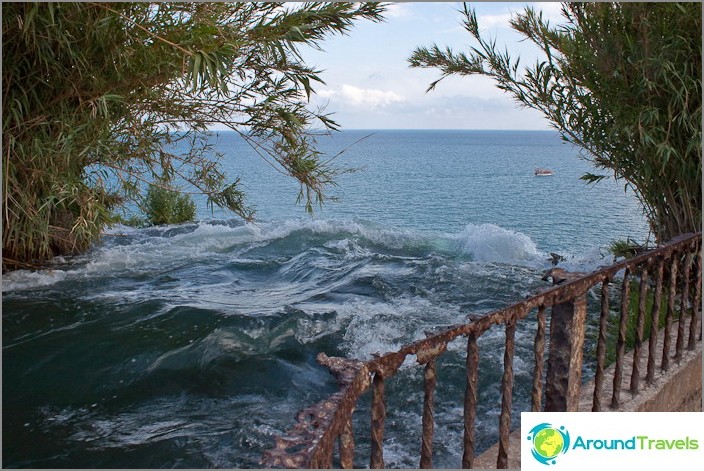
<point x="369" y="84"/>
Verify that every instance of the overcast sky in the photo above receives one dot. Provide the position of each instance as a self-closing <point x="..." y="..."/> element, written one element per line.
<point x="369" y="84"/>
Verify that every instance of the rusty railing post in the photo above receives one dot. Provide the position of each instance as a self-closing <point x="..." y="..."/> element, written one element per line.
<point x="655" y="322"/>
<point x="429" y="380"/>
<point x="601" y="345"/>
<point x="696" y="304"/>
<point x="539" y="354"/>
<point x="640" y="324"/>
<point x="376" y="460"/>
<point x="470" y="401"/>
<point x="347" y="446"/>
<point x="621" y="341"/>
<point x="564" y="371"/>
<point x="684" y="302"/>
<point x="506" y="395"/>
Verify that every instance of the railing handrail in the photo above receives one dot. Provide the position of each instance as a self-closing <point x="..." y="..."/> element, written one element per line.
<point x="319" y="425"/>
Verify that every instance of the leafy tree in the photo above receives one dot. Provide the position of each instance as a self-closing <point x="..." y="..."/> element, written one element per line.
<point x="97" y="95"/>
<point x="620" y="80"/>
<point x="163" y="205"/>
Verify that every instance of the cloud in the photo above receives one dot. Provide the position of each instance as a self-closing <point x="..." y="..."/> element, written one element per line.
<point x="552" y="11"/>
<point x="397" y="10"/>
<point x="369" y="98"/>
<point x="492" y="21"/>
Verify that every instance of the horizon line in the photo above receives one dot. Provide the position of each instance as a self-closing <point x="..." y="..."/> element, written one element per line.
<point x="414" y="129"/>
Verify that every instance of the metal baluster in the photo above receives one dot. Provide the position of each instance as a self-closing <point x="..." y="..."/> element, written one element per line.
<point x="426" y="451"/>
<point x="506" y="396"/>
<point x="640" y="323"/>
<point x="655" y="323"/>
<point x="694" y="323"/>
<point x="621" y="342"/>
<point x="601" y="346"/>
<point x="347" y="445"/>
<point x="470" y="401"/>
<point x="539" y="354"/>
<point x="684" y="300"/>
<point x="665" y="365"/>
<point x="378" y="417"/>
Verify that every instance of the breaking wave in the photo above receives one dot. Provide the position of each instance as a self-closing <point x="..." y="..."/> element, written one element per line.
<point x="131" y="251"/>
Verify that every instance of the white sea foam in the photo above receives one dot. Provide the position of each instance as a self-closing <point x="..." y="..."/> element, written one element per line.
<point x="491" y="243"/>
<point x="134" y="251"/>
<point x="147" y="251"/>
<point x="26" y="279"/>
<point x="381" y="327"/>
<point x="591" y="259"/>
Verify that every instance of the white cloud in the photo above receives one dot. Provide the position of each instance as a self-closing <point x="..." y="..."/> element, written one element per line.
<point x="398" y="10"/>
<point x="326" y="93"/>
<point x="369" y="98"/>
<point x="494" y="21"/>
<point x="552" y="11"/>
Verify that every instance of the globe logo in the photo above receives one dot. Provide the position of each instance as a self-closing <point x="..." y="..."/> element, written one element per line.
<point x="548" y="442"/>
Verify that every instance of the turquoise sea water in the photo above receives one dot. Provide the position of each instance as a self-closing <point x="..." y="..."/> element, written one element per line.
<point x="194" y="345"/>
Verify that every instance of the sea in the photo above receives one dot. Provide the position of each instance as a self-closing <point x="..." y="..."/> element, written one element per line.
<point x="194" y="345"/>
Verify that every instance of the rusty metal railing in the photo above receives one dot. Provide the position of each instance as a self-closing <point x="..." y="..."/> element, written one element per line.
<point x="673" y="271"/>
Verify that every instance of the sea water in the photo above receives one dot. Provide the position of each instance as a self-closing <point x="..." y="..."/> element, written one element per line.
<point x="194" y="345"/>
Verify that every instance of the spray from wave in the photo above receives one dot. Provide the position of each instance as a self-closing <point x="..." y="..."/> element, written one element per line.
<point x="491" y="243"/>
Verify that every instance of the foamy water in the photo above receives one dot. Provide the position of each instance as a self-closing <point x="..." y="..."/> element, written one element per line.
<point x="194" y="345"/>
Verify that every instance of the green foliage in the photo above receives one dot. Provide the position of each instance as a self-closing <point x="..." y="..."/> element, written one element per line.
<point x="132" y="221"/>
<point x="620" y="80"/>
<point x="625" y="248"/>
<point x="96" y="95"/>
<point x="166" y="206"/>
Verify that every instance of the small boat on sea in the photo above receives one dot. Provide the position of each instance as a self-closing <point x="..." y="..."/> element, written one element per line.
<point x="543" y="172"/>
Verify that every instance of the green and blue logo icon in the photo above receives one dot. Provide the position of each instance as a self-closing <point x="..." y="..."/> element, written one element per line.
<point x="548" y="442"/>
